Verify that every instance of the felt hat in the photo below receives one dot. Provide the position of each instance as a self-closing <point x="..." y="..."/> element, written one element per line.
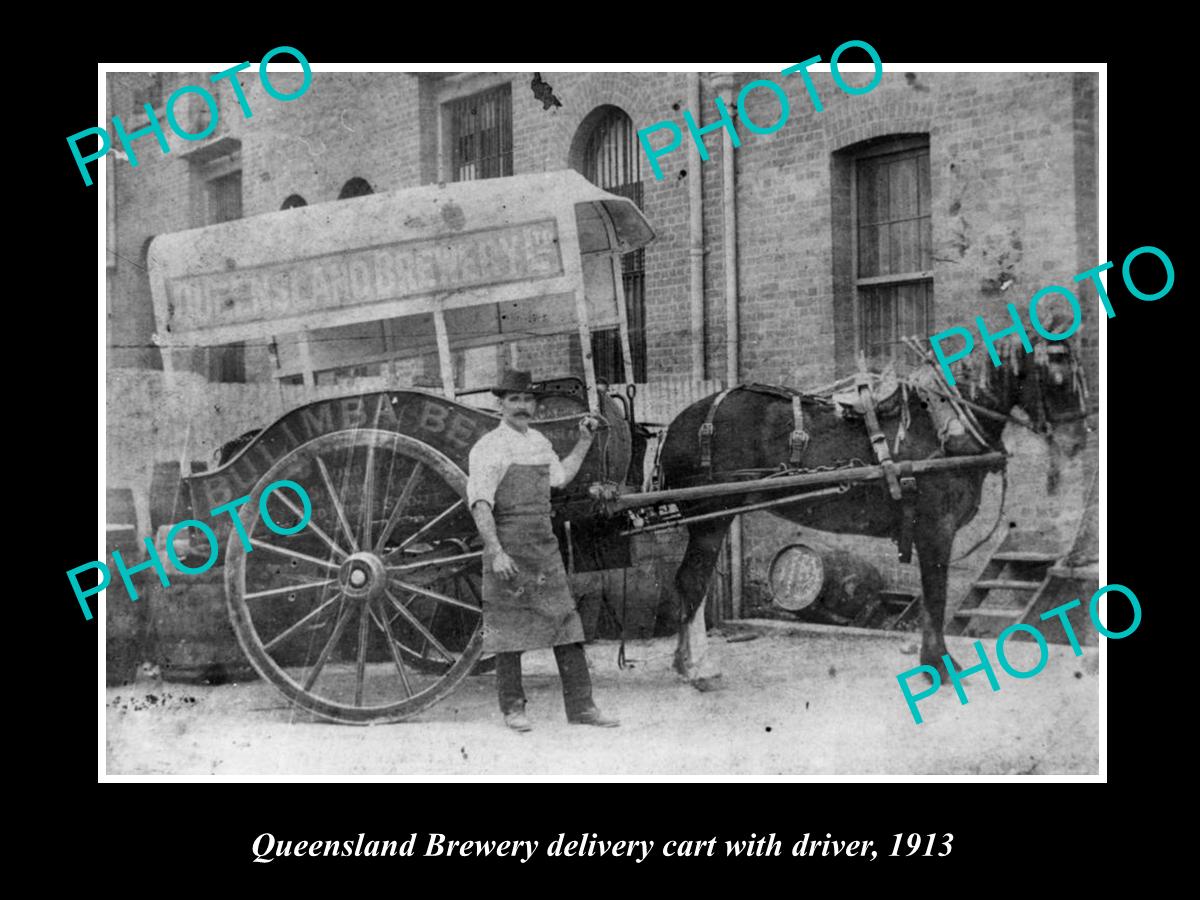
<point x="514" y="381"/>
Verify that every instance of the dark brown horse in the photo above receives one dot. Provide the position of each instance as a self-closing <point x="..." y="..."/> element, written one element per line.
<point x="752" y="432"/>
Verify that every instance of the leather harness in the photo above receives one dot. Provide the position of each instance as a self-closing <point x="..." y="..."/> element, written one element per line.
<point x="797" y="442"/>
<point x="901" y="483"/>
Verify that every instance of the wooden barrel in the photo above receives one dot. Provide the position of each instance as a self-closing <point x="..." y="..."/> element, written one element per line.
<point x="190" y="637"/>
<point x="125" y="621"/>
<point x="822" y="583"/>
<point x="796" y="576"/>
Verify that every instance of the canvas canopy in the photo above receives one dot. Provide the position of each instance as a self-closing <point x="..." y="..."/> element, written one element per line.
<point x="464" y="264"/>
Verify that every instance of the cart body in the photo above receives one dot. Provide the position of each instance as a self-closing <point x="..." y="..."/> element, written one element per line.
<point x="372" y="611"/>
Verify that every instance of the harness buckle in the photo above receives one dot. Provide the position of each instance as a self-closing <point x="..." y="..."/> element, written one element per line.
<point x="706" y="433"/>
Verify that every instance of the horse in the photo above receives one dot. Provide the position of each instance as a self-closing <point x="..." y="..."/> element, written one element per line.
<point x="751" y="430"/>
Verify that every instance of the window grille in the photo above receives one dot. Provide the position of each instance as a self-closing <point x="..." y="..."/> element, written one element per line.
<point x="893" y="248"/>
<point x="481" y="135"/>
<point x="611" y="161"/>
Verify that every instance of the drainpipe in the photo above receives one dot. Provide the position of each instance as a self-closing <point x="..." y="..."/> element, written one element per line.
<point x="724" y="85"/>
<point x="696" y="237"/>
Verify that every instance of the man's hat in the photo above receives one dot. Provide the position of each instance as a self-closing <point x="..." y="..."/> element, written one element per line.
<point x="514" y="381"/>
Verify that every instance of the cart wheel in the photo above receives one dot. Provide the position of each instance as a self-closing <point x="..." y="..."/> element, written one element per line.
<point x="449" y="623"/>
<point x="371" y="612"/>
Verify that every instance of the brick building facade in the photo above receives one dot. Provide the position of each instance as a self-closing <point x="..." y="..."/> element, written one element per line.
<point x="978" y="189"/>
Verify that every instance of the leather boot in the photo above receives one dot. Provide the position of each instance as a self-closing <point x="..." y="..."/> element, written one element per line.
<point x="516" y="720"/>
<point x="593" y="716"/>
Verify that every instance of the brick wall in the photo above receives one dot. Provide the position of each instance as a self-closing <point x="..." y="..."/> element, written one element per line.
<point x="1013" y="168"/>
<point x="346" y="125"/>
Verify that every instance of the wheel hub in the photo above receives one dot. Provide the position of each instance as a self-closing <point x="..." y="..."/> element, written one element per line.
<point x="363" y="576"/>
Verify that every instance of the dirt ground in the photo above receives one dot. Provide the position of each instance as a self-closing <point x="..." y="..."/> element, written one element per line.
<point x="794" y="700"/>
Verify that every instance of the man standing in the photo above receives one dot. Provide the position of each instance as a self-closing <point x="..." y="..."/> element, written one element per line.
<point x="527" y="603"/>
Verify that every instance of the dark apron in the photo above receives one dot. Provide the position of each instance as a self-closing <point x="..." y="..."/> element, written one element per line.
<point x="535" y="609"/>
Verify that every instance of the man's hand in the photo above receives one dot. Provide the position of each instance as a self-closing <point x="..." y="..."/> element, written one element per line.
<point x="503" y="565"/>
<point x="588" y="426"/>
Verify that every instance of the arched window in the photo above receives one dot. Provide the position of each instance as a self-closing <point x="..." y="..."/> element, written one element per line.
<point x="296" y="200"/>
<point x="606" y="152"/>
<point x="355" y="187"/>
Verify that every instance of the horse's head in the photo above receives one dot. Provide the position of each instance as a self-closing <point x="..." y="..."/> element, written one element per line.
<point x="1047" y="384"/>
<point x="1053" y="394"/>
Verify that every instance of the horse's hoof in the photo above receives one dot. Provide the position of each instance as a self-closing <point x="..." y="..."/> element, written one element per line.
<point x="706" y="683"/>
<point x="939" y="666"/>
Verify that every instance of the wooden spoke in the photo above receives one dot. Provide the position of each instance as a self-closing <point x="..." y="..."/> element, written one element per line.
<point x="471" y="586"/>
<point x="386" y="627"/>
<point x="433" y="595"/>
<point x="295" y="555"/>
<point x="391" y="474"/>
<point x="418" y="525"/>
<point x="405" y="496"/>
<point x="343" y="618"/>
<point x="425" y="632"/>
<point x="368" y="495"/>
<point x="275" y="592"/>
<point x="434" y="561"/>
<point x="314" y="527"/>
<point x="432" y="523"/>
<point x="337" y="504"/>
<point x="432" y="622"/>
<point x="361" y="669"/>
<point x="292" y="629"/>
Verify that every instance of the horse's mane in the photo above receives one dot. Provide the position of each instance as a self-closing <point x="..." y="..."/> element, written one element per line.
<point x="975" y="375"/>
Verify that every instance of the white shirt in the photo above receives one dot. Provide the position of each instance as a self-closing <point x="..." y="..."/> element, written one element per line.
<point x="501" y="447"/>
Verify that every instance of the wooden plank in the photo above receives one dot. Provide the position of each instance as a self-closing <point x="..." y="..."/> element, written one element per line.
<point x="1088" y="573"/>
<point x="445" y="357"/>
<point x="1001" y="584"/>
<point x="1011" y="612"/>
<point x="585" y="350"/>
<point x="306" y="362"/>
<point x="1028" y="556"/>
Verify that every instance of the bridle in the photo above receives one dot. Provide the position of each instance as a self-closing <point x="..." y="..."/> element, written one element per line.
<point x="1045" y="418"/>
<point x="984" y="411"/>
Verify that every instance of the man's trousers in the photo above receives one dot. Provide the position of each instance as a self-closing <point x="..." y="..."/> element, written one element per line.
<point x="572" y="669"/>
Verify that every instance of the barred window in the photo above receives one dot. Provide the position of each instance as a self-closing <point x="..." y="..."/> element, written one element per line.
<point x="893" y="242"/>
<point x="481" y="135"/>
<point x="611" y="161"/>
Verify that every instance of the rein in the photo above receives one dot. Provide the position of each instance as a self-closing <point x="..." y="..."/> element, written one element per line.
<point x="983" y="410"/>
<point x="999" y="518"/>
<point x="956" y="396"/>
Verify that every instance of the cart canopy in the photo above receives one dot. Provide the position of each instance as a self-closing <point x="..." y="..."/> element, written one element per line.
<point x="482" y="261"/>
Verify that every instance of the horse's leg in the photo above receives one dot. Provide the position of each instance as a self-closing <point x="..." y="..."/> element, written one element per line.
<point x="934" y="538"/>
<point x="692" y="659"/>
